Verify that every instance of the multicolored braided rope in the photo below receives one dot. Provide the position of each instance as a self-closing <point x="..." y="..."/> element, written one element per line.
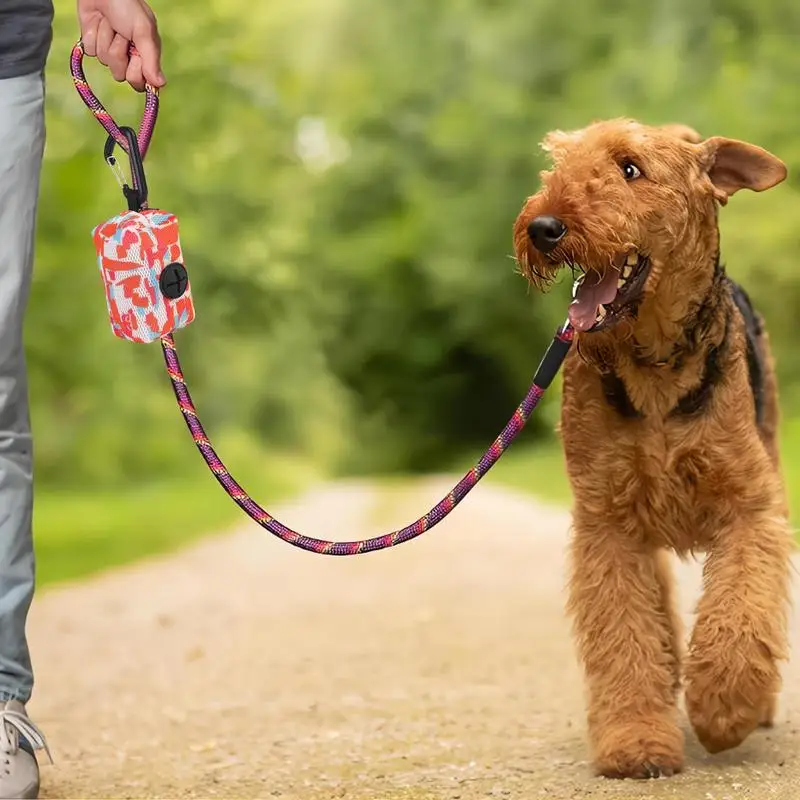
<point x="548" y="368"/>
<point x="149" y="116"/>
<point x="544" y="375"/>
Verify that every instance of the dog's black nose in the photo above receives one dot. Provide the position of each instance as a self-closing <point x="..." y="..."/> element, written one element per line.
<point x="546" y="232"/>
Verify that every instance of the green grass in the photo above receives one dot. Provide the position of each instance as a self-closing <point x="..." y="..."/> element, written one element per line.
<point x="80" y="533"/>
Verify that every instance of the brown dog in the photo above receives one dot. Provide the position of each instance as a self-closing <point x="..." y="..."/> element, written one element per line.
<point x="669" y="428"/>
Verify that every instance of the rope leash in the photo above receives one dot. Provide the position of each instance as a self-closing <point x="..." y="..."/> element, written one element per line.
<point x="149" y="296"/>
<point x="149" y="116"/>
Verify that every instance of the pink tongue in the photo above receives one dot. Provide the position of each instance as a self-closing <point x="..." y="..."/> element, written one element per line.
<point x="595" y="290"/>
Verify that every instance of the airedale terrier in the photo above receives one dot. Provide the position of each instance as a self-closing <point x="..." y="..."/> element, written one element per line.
<point x="669" y="425"/>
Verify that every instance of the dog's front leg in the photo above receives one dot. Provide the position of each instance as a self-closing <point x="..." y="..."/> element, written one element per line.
<point x="732" y="670"/>
<point x="628" y="646"/>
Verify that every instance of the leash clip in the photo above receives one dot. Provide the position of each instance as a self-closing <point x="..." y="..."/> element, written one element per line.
<point x="135" y="195"/>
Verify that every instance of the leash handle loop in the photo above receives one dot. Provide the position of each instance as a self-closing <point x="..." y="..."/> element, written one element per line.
<point x="149" y="116"/>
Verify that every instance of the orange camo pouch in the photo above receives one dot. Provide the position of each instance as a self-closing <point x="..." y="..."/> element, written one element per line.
<point x="147" y="288"/>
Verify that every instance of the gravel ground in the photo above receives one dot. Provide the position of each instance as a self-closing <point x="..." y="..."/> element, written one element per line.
<point x="242" y="667"/>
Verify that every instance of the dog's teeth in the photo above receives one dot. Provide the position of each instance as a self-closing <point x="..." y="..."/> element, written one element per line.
<point x="620" y="283"/>
<point x="601" y="312"/>
<point x="632" y="259"/>
<point x="626" y="273"/>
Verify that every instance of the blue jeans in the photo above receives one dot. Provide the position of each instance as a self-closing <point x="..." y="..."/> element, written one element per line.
<point x="22" y="135"/>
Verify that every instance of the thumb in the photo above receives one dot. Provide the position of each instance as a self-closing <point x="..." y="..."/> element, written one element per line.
<point x="148" y="44"/>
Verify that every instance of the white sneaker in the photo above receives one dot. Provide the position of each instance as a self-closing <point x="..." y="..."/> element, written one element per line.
<point x="19" y="737"/>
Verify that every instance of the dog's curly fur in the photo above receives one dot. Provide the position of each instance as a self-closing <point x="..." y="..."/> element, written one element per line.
<point x="669" y="425"/>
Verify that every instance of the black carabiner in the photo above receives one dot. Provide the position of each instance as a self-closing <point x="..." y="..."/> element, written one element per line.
<point x="137" y="194"/>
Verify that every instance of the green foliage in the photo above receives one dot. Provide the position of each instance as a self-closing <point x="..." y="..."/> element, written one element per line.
<point x="347" y="173"/>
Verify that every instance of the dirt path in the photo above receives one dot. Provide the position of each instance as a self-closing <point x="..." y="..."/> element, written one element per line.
<point x="444" y="669"/>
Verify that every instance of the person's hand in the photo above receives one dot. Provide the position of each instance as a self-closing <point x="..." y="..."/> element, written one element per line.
<point x="110" y="27"/>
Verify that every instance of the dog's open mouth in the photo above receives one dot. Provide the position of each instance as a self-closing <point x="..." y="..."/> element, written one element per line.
<point x="601" y="297"/>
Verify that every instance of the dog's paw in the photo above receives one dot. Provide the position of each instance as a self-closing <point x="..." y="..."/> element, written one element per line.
<point x="727" y="701"/>
<point x="722" y="733"/>
<point x="719" y="723"/>
<point x="650" y="748"/>
<point x="647" y="770"/>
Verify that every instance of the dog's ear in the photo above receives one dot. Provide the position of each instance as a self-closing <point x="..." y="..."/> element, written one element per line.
<point x="681" y="131"/>
<point x="734" y="165"/>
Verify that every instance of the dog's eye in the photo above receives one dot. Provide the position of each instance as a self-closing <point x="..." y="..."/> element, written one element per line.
<point x="630" y="170"/>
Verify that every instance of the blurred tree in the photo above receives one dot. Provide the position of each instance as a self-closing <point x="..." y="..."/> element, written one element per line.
<point x="346" y="174"/>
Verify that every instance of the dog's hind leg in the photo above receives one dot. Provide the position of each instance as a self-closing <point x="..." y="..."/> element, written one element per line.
<point x="771" y="412"/>
<point x="770" y="417"/>
<point x="768" y="710"/>
<point x="732" y="668"/>
<point x="619" y="595"/>
<point x="675" y="648"/>
<point x="761" y="373"/>
<point x="769" y="434"/>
